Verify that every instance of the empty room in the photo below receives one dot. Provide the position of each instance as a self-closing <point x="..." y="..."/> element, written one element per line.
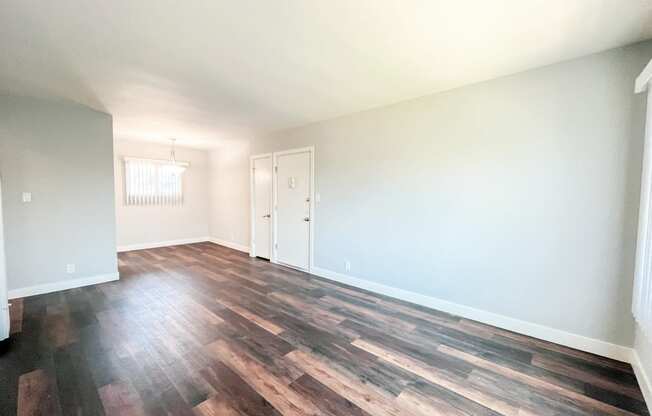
<point x="325" y="208"/>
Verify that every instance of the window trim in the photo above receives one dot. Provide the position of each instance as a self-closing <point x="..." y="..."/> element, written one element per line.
<point x="157" y="161"/>
<point x="150" y="200"/>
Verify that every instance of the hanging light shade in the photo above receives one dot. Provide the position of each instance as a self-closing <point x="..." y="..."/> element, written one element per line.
<point x="175" y="166"/>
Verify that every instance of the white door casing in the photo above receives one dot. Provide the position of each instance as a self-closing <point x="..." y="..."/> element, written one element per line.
<point x="4" y="303"/>
<point x="262" y="207"/>
<point x="294" y="213"/>
<point x="642" y="296"/>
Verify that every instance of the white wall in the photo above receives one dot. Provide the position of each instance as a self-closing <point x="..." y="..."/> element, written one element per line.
<point x="229" y="192"/>
<point x="61" y="153"/>
<point x="517" y="196"/>
<point x="144" y="225"/>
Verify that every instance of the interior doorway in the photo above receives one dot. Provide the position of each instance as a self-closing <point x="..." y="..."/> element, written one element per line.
<point x="293" y="200"/>
<point x="282" y="207"/>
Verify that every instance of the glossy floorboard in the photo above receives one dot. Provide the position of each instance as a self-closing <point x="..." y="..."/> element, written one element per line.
<point x="204" y="330"/>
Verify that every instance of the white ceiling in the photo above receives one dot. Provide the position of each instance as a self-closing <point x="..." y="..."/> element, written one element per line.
<point x="209" y="71"/>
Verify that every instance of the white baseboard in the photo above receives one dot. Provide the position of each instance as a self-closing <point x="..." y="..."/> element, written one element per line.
<point x="157" y="244"/>
<point x="62" y="285"/>
<point x="642" y="377"/>
<point x="235" y="246"/>
<point x="580" y="342"/>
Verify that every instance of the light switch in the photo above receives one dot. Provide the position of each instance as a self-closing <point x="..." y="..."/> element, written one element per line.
<point x="27" y="197"/>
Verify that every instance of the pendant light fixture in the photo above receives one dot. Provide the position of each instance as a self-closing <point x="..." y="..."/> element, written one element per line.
<point x="175" y="166"/>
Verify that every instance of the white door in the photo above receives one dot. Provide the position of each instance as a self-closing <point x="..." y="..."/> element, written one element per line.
<point x="262" y="206"/>
<point x="4" y="303"/>
<point x="293" y="192"/>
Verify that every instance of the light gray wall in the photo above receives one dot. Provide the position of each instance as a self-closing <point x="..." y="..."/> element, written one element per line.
<point x="63" y="154"/>
<point x="159" y="223"/>
<point x="518" y="196"/>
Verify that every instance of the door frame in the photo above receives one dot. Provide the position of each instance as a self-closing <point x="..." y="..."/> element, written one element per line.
<point x="252" y="205"/>
<point x="4" y="299"/>
<point x="311" y="215"/>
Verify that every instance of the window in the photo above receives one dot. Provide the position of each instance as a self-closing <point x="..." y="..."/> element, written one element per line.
<point x="153" y="182"/>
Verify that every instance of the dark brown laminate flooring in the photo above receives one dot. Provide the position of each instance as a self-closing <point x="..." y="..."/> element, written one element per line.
<point x="204" y="330"/>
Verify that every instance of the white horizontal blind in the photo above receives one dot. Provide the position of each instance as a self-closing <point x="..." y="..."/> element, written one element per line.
<point x="149" y="182"/>
<point x="642" y="302"/>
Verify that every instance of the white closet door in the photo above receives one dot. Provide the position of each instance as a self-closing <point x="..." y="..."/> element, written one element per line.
<point x="293" y="209"/>
<point x="263" y="207"/>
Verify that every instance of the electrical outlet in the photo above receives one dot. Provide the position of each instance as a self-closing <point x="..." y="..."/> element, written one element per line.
<point x="70" y="268"/>
<point x="27" y="197"/>
<point x="347" y="265"/>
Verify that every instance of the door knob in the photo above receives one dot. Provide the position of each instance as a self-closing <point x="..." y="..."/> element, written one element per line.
<point x="306" y="219"/>
<point x="266" y="216"/>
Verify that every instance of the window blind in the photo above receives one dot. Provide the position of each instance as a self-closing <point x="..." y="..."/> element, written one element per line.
<point x="151" y="182"/>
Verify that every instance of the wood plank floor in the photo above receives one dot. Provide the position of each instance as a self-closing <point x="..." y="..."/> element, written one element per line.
<point x="204" y="330"/>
